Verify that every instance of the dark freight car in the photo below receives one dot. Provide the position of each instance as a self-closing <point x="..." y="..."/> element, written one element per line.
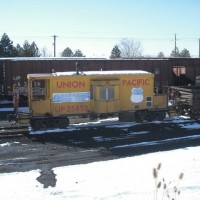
<point x="168" y="71"/>
<point x="16" y="70"/>
<point x="1" y="75"/>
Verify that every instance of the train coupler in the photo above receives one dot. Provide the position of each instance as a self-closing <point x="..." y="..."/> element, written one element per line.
<point x="20" y="118"/>
<point x="12" y="117"/>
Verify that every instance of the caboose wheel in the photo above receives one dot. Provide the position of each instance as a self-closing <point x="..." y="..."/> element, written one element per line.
<point x="63" y="123"/>
<point x="160" y="115"/>
<point x="36" y="125"/>
<point x="149" y="116"/>
<point x="140" y="116"/>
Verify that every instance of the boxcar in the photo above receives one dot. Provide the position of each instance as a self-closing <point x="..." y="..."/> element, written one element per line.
<point x="167" y="71"/>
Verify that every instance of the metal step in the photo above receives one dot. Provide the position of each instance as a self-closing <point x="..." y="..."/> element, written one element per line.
<point x="172" y="111"/>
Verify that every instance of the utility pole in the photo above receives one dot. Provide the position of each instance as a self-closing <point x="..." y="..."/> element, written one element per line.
<point x="54" y="44"/>
<point x="199" y="47"/>
<point x="175" y="46"/>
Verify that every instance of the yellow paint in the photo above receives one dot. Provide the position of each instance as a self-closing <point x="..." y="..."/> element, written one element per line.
<point x="160" y="101"/>
<point x="98" y="94"/>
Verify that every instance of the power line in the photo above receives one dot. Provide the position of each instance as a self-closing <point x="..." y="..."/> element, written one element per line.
<point x="90" y="37"/>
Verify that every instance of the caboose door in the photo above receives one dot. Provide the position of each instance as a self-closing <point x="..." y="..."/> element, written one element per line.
<point x="105" y="95"/>
<point x="39" y="101"/>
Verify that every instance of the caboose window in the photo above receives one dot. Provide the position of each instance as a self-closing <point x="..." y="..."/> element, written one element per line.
<point x="38" y="89"/>
<point x="148" y="101"/>
<point x="110" y="93"/>
<point x="102" y="93"/>
<point x="106" y="93"/>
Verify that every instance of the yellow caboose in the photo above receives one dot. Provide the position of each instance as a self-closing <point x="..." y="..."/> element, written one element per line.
<point x="129" y="94"/>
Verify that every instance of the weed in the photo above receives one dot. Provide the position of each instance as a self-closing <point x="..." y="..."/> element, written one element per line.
<point x="170" y="190"/>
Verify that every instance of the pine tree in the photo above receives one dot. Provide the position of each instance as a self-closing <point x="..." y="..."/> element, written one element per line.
<point x="34" y="51"/>
<point x="185" y="53"/>
<point x="6" y="47"/>
<point x="161" y="55"/>
<point x="175" y="53"/>
<point x="115" y="53"/>
<point x="19" y="50"/>
<point x="67" y="53"/>
<point x="78" y="53"/>
<point x="28" y="50"/>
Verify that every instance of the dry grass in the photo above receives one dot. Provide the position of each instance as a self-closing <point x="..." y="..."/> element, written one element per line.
<point x="170" y="189"/>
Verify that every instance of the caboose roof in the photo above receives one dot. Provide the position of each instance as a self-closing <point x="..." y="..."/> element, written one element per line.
<point x="92" y="73"/>
<point x="96" y="73"/>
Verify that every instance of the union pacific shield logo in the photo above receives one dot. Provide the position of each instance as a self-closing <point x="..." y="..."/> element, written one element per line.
<point x="137" y="95"/>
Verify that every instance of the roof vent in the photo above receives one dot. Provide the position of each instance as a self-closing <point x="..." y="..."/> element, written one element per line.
<point x="77" y="68"/>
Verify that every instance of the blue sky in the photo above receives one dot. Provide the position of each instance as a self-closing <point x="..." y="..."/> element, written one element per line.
<point x="95" y="26"/>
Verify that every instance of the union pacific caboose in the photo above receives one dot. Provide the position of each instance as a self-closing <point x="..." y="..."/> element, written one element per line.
<point x="53" y="98"/>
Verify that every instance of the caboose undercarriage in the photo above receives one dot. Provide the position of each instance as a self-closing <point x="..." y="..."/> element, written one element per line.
<point x="49" y="123"/>
<point x="142" y="115"/>
<point x="44" y="123"/>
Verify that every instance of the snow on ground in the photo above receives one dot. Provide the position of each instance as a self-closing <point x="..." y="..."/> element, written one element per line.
<point x="126" y="178"/>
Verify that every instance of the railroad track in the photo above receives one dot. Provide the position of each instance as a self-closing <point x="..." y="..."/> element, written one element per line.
<point x="126" y="136"/>
<point x="78" y="124"/>
<point x="89" y="144"/>
<point x="9" y="130"/>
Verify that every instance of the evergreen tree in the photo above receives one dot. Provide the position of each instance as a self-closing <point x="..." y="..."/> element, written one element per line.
<point x="34" y="51"/>
<point x="184" y="53"/>
<point x="67" y="53"/>
<point x="28" y="50"/>
<point x="174" y="53"/>
<point x="6" y="47"/>
<point x="78" y="53"/>
<point x="115" y="53"/>
<point x="161" y="55"/>
<point x="19" y="50"/>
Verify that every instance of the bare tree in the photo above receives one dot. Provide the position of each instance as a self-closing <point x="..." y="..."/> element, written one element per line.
<point x="130" y="48"/>
<point x="45" y="53"/>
